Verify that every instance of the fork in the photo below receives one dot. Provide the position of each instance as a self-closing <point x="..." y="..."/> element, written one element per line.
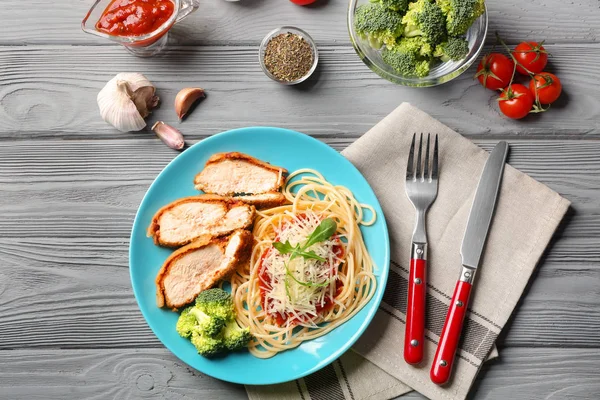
<point x="421" y="189"/>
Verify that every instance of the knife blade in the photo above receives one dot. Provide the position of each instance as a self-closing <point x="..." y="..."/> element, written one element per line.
<point x="478" y="226"/>
<point x="483" y="206"/>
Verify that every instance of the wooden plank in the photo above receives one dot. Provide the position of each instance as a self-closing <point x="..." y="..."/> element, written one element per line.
<point x="221" y="22"/>
<point x="42" y="95"/>
<point x="540" y="374"/>
<point x="89" y="374"/>
<point x="75" y="293"/>
<point x="102" y="374"/>
<point x="93" y="187"/>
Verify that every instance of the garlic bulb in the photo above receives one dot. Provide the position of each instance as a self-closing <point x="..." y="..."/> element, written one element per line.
<point x="126" y="100"/>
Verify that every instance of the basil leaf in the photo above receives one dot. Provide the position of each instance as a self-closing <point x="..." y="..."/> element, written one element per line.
<point x="294" y="251"/>
<point x="283" y="248"/>
<point x="324" y="231"/>
<point x="309" y="254"/>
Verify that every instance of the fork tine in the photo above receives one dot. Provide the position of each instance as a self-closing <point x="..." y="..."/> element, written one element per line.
<point x="419" y="157"/>
<point x="426" y="166"/>
<point x="434" y="167"/>
<point x="411" y="160"/>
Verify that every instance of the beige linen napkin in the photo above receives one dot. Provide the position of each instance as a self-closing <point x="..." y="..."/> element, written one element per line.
<point x="527" y="214"/>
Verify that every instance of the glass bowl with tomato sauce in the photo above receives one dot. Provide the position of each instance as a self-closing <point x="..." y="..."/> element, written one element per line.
<point x="439" y="73"/>
<point x="142" y="26"/>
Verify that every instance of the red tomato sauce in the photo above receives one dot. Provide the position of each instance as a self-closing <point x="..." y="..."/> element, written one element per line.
<point x="134" y="17"/>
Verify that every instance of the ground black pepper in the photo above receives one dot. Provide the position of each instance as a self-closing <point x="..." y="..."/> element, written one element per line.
<point x="288" y="57"/>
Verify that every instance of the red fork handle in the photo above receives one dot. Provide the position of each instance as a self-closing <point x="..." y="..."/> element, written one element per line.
<point x="446" y="350"/>
<point x="414" y="335"/>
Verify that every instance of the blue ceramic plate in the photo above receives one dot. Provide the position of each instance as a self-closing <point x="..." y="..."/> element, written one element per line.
<point x="291" y="150"/>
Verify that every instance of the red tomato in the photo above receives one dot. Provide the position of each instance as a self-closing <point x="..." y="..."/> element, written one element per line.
<point x="303" y="2"/>
<point x="494" y="71"/>
<point x="532" y="56"/>
<point x="516" y="101"/>
<point x="548" y="87"/>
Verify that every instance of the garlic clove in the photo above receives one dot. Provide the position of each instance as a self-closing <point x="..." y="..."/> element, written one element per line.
<point x="185" y="99"/>
<point x="126" y="100"/>
<point x="169" y="135"/>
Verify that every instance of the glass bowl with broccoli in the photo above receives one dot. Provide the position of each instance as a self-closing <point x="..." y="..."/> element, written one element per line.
<point x="419" y="42"/>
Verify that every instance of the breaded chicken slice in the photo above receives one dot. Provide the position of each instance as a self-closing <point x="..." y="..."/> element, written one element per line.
<point x="199" y="266"/>
<point x="243" y="177"/>
<point x="189" y="218"/>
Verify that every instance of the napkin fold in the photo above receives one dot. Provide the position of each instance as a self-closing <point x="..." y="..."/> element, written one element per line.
<point x="527" y="215"/>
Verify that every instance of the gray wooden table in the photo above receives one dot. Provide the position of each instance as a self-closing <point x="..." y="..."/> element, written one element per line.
<point x="70" y="185"/>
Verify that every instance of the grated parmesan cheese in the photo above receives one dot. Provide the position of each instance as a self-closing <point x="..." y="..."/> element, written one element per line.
<point x="287" y="297"/>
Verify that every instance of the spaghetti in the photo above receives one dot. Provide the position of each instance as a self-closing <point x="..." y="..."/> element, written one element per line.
<point x="285" y="299"/>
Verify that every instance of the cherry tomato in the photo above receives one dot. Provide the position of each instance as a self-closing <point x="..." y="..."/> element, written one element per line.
<point x="303" y="2"/>
<point x="532" y="56"/>
<point x="516" y="101"/>
<point x="548" y="87"/>
<point x="494" y="71"/>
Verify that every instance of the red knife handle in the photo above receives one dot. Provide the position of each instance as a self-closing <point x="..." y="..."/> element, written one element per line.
<point x="446" y="350"/>
<point x="415" y="312"/>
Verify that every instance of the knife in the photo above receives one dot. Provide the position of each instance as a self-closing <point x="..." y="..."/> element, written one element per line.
<point x="478" y="226"/>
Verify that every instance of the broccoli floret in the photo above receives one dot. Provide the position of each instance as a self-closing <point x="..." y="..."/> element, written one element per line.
<point x="397" y="5"/>
<point x="208" y="324"/>
<point x="234" y="337"/>
<point x="216" y="303"/>
<point x="377" y="24"/>
<point x="405" y="59"/>
<point x="206" y="345"/>
<point x="454" y="49"/>
<point x="211" y="325"/>
<point x="460" y="14"/>
<point x="192" y="319"/>
<point x="417" y="45"/>
<point x="186" y="324"/>
<point x="425" y="19"/>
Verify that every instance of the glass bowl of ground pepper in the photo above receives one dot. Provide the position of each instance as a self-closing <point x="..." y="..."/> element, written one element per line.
<point x="288" y="55"/>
